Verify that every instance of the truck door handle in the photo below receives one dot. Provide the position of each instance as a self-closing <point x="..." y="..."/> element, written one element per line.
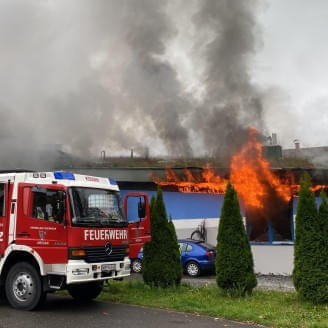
<point x="23" y="234"/>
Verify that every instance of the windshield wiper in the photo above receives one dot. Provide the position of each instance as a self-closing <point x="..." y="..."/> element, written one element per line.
<point x="112" y="221"/>
<point x="87" y="222"/>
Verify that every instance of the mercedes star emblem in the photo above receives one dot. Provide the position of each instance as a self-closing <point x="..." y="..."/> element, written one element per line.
<point x="108" y="249"/>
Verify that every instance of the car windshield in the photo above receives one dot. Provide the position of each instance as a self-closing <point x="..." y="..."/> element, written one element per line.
<point x="96" y="207"/>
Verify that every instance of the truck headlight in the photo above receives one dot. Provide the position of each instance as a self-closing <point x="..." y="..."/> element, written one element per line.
<point x="80" y="272"/>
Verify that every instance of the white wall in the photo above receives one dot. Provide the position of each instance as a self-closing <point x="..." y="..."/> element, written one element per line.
<point x="268" y="259"/>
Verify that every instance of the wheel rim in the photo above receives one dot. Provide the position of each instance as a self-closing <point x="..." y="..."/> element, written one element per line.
<point x="192" y="269"/>
<point x="23" y="286"/>
<point x="137" y="266"/>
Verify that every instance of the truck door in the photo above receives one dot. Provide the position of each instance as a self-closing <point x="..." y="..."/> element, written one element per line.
<point x="41" y="221"/>
<point x="136" y="209"/>
<point x="5" y="190"/>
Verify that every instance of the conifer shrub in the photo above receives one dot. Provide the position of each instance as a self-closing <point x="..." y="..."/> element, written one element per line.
<point x="310" y="274"/>
<point x="234" y="261"/>
<point x="305" y="239"/>
<point x="161" y="256"/>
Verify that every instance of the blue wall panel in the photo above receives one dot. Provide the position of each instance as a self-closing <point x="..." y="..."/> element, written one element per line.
<point x="188" y="205"/>
<point x="194" y="206"/>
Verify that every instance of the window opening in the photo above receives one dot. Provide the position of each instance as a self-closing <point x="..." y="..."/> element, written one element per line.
<point x="271" y="224"/>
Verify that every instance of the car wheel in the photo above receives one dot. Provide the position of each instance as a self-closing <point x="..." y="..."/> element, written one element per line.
<point x="193" y="269"/>
<point x="23" y="287"/>
<point x="136" y="266"/>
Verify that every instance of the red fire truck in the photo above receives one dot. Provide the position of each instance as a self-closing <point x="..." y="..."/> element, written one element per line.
<point x="60" y="230"/>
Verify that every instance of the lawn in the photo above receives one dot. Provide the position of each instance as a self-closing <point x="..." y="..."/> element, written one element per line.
<point x="269" y="308"/>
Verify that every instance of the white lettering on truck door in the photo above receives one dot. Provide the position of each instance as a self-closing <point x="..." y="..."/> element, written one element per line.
<point x="1" y="235"/>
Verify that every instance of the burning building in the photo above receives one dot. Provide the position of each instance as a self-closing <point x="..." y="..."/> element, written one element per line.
<point x="268" y="199"/>
<point x="270" y="227"/>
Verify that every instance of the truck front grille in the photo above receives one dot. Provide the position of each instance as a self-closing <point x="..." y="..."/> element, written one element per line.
<point x="98" y="254"/>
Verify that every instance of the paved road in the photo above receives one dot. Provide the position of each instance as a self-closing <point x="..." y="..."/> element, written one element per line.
<point x="62" y="312"/>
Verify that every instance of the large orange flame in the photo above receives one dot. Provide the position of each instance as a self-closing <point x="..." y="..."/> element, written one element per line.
<point x="250" y="175"/>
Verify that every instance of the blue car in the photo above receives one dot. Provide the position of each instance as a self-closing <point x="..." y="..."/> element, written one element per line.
<point x="196" y="257"/>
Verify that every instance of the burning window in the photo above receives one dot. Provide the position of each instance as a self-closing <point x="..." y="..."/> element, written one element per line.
<point x="272" y="223"/>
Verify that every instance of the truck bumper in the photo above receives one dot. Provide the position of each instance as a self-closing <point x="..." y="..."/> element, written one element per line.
<point x="78" y="271"/>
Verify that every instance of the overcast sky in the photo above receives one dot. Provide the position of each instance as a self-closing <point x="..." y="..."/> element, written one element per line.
<point x="294" y="58"/>
<point x="114" y="75"/>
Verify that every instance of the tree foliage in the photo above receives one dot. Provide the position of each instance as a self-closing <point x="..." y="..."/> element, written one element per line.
<point x="161" y="256"/>
<point x="310" y="274"/>
<point x="234" y="262"/>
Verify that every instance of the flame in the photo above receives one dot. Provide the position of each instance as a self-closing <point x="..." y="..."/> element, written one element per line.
<point x="207" y="182"/>
<point x="250" y="175"/>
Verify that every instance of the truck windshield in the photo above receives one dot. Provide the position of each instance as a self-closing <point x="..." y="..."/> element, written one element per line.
<point x="96" y="207"/>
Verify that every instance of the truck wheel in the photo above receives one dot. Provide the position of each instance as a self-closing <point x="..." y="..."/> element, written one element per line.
<point x="24" y="287"/>
<point x="85" y="292"/>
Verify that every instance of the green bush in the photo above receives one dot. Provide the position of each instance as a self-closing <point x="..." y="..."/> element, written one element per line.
<point x="234" y="262"/>
<point x="161" y="256"/>
<point x="310" y="274"/>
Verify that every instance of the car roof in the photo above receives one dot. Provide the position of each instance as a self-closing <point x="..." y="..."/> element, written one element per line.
<point x="189" y="240"/>
<point x="201" y="243"/>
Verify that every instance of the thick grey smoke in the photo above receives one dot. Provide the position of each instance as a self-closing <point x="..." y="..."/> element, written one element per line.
<point x="232" y="103"/>
<point x="86" y="76"/>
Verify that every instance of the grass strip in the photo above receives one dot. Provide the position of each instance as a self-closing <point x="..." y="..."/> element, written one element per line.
<point x="269" y="308"/>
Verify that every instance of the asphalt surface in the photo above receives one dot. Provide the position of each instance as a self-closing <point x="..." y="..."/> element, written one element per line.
<point x="62" y="312"/>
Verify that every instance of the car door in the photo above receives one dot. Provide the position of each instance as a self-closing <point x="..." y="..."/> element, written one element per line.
<point x="40" y="224"/>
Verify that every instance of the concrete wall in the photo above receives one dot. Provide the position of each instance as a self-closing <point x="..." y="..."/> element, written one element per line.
<point x="268" y="258"/>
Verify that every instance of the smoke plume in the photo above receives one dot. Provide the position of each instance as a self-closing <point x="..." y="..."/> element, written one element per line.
<point x="232" y="103"/>
<point x="86" y="76"/>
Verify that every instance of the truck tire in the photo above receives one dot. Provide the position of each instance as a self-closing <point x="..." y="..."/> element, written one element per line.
<point x="24" y="287"/>
<point x="85" y="292"/>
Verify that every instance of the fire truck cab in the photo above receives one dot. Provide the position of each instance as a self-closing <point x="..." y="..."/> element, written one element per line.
<point x="60" y="230"/>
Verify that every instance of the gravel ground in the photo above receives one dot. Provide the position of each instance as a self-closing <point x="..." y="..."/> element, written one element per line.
<point x="264" y="282"/>
<point x="275" y="282"/>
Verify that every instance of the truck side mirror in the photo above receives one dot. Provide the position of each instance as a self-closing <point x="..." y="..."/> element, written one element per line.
<point x="141" y="209"/>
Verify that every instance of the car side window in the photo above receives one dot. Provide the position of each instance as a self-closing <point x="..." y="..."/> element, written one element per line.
<point x="188" y="248"/>
<point x="183" y="247"/>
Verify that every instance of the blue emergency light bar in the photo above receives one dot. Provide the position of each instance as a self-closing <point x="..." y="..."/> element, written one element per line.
<point x="112" y="181"/>
<point x="60" y="175"/>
